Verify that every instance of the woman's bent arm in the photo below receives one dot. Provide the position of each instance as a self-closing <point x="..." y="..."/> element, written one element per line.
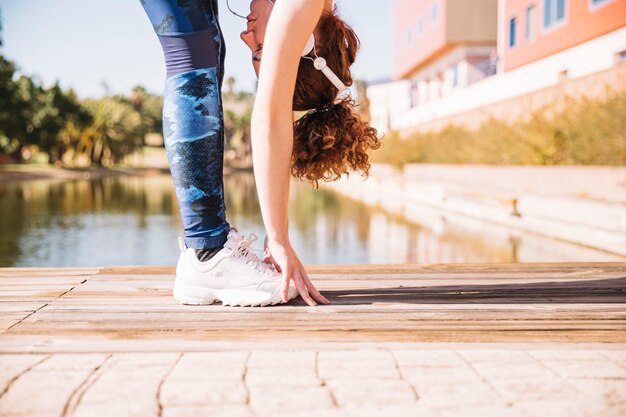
<point x="289" y="27"/>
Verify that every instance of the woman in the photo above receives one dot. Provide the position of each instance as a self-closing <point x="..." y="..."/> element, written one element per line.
<point x="216" y="262"/>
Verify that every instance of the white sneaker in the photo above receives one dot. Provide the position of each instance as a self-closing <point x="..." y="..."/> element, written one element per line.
<point x="235" y="276"/>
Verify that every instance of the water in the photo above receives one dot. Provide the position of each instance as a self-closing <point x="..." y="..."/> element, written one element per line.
<point x="134" y="221"/>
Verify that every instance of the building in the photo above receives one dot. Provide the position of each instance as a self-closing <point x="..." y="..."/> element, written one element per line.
<point x="538" y="29"/>
<point x="389" y="98"/>
<point x="454" y="57"/>
<point x="442" y="45"/>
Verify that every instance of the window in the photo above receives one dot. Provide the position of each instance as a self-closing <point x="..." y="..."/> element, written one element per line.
<point x="553" y="12"/>
<point x="420" y="25"/>
<point x="595" y="4"/>
<point x="512" y="27"/>
<point x="531" y="19"/>
<point x="455" y="75"/>
<point x="434" y="12"/>
<point x="414" y="94"/>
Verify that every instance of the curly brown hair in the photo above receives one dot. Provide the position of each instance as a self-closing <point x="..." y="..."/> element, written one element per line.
<point x="332" y="139"/>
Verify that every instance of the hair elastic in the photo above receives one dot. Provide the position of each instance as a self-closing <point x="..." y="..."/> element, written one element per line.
<point x="325" y="108"/>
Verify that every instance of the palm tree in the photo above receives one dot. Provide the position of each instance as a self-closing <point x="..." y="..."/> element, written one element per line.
<point x="0" y="27"/>
<point x="116" y="131"/>
<point x="230" y="86"/>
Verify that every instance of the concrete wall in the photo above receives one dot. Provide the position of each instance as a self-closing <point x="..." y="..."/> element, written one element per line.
<point x="583" y="205"/>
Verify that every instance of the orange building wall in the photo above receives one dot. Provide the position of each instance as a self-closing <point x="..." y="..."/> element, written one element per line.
<point x="432" y="39"/>
<point x="581" y="24"/>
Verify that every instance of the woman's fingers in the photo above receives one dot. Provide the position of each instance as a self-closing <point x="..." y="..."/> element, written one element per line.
<point x="312" y="290"/>
<point x="303" y="285"/>
<point x="304" y="293"/>
<point x="292" y="270"/>
<point x="315" y="292"/>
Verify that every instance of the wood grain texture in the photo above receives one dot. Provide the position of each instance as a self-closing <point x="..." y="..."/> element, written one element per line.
<point x="397" y="341"/>
<point x="73" y="309"/>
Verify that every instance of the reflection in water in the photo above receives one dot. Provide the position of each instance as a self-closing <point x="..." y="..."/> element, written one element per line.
<point x="134" y="221"/>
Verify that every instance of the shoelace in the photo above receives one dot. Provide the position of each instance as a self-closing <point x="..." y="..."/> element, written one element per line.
<point x="244" y="252"/>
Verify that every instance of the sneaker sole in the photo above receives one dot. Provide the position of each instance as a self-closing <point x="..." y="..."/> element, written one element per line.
<point x="228" y="297"/>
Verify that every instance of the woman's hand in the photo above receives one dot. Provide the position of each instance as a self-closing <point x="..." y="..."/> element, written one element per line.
<point x="284" y="258"/>
<point x="267" y="256"/>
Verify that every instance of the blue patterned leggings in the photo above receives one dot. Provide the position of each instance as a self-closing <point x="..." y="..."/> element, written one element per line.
<point x="193" y="122"/>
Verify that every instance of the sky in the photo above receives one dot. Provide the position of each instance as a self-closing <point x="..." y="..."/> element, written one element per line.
<point x="92" y="46"/>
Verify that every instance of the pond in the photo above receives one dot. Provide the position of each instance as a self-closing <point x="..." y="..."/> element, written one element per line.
<point x="133" y="220"/>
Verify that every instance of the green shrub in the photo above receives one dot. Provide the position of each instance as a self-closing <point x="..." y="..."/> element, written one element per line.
<point x="579" y="132"/>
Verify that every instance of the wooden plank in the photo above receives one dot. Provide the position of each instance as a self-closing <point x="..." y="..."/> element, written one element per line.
<point x="47" y="272"/>
<point x="174" y="341"/>
<point x="7" y="323"/>
<point x="30" y="281"/>
<point x="547" y="267"/>
<point x="580" y="302"/>
<point x="617" y="283"/>
<point x="299" y="324"/>
<point x="389" y="280"/>
<point x="158" y="304"/>
<point x="19" y="306"/>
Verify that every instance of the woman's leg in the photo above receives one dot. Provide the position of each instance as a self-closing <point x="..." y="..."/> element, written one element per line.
<point x="193" y="123"/>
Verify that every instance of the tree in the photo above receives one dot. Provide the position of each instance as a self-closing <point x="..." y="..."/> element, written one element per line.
<point x="363" y="108"/>
<point x="116" y="131"/>
<point x="12" y="109"/>
<point x="56" y="111"/>
<point x="33" y="116"/>
<point x="75" y="118"/>
<point x="150" y="109"/>
<point x="230" y="85"/>
<point x="57" y="122"/>
<point x="237" y="134"/>
<point x="19" y="103"/>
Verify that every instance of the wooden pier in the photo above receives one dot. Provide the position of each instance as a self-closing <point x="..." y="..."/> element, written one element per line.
<point x="397" y="340"/>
